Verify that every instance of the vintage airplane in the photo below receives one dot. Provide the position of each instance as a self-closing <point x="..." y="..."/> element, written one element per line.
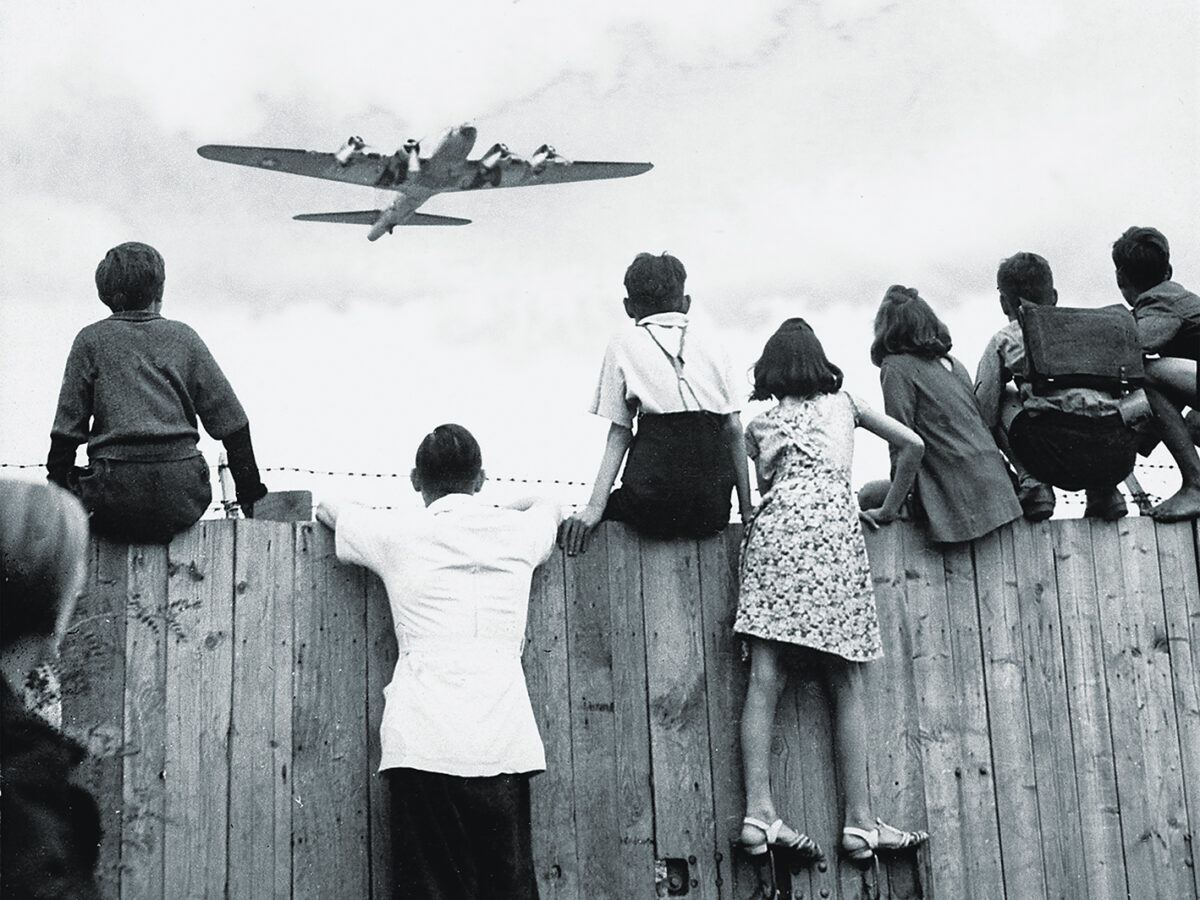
<point x="418" y="177"/>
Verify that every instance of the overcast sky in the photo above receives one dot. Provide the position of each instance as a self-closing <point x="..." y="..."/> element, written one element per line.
<point x="807" y="155"/>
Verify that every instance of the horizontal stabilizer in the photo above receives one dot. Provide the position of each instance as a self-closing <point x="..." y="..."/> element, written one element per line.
<point x="371" y="216"/>
<point x="429" y="219"/>
<point x="363" y="217"/>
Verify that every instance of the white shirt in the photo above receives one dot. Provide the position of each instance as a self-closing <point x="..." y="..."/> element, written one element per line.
<point x="457" y="575"/>
<point x="639" y="375"/>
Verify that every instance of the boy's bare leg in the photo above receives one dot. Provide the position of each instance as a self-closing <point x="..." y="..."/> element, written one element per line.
<point x="1184" y="503"/>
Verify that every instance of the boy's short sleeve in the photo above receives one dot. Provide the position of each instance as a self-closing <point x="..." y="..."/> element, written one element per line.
<point x="542" y="521"/>
<point x="360" y="537"/>
<point x="1157" y="325"/>
<point x="611" y="401"/>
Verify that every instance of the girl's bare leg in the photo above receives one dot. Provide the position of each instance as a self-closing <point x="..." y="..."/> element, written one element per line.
<point x="767" y="680"/>
<point x="850" y="737"/>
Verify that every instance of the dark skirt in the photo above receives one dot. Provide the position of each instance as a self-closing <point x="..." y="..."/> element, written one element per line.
<point x="456" y="838"/>
<point x="1074" y="452"/>
<point x="678" y="476"/>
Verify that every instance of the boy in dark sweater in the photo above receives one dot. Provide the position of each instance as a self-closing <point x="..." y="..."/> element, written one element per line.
<point x="135" y="384"/>
<point x="1168" y="320"/>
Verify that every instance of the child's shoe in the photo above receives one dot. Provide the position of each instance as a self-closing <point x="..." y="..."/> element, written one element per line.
<point x="1037" y="502"/>
<point x="1105" y="503"/>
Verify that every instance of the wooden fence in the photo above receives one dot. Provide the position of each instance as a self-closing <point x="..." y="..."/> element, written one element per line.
<point x="1037" y="711"/>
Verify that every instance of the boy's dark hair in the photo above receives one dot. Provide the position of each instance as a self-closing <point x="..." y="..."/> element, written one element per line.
<point x="793" y="364"/>
<point x="1143" y="257"/>
<point x="449" y="460"/>
<point x="130" y="276"/>
<point x="654" y="284"/>
<point x="907" y="324"/>
<point x="43" y="534"/>
<point x="1026" y="276"/>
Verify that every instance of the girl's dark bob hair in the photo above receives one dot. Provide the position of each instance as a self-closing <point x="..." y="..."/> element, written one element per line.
<point x="793" y="364"/>
<point x="907" y="324"/>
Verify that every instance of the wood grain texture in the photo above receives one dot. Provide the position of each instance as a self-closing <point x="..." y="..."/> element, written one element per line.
<point x="331" y="841"/>
<point x="1038" y="707"/>
<point x="142" y="829"/>
<point x="199" y="684"/>
<point x="260" y="809"/>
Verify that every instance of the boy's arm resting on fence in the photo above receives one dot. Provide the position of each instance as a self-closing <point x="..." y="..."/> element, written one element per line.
<point x="573" y="534"/>
<point x="736" y="443"/>
<point x="60" y="460"/>
<point x="244" y="469"/>
<point x="327" y="513"/>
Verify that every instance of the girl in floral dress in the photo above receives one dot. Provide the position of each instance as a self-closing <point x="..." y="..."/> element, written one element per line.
<point x="806" y="582"/>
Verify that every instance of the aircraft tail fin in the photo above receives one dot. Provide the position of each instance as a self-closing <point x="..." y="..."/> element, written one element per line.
<point x="371" y="216"/>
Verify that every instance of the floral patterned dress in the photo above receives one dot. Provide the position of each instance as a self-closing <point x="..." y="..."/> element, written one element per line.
<point x="805" y="577"/>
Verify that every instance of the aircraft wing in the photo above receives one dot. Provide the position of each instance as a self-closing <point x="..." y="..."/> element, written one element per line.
<point x="365" y="169"/>
<point x="518" y="172"/>
<point x="565" y="172"/>
<point x="371" y="216"/>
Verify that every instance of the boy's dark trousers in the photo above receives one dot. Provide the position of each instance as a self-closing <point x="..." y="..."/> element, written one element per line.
<point x="456" y="838"/>
<point x="1074" y="452"/>
<point x="143" y="502"/>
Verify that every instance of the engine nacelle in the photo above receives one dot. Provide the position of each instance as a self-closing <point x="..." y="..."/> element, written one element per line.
<point x="354" y="144"/>
<point x="541" y="156"/>
<point x="494" y="157"/>
<point x="413" y="149"/>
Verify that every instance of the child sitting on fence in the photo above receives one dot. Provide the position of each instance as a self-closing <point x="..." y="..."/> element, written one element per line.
<point x="458" y="734"/>
<point x="962" y="489"/>
<point x="806" y="583"/>
<point x="686" y="454"/>
<point x="1168" y="320"/>
<point x="1073" y="436"/>
<point x="48" y="846"/>
<point x="133" y="388"/>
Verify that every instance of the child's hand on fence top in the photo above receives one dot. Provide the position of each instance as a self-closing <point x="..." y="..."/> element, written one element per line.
<point x="873" y="518"/>
<point x="573" y="532"/>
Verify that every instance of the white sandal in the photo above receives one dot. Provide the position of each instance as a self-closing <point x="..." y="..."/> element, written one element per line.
<point x="802" y="845"/>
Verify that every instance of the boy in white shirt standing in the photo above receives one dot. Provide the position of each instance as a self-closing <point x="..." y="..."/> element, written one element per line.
<point x="458" y="733"/>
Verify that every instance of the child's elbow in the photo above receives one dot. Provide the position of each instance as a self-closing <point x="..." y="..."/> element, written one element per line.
<point x="916" y="447"/>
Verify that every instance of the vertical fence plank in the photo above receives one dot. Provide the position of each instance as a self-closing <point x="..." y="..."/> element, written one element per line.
<point x="260" y="814"/>
<point x="1016" y="785"/>
<point x="1049" y="716"/>
<point x="1101" y="861"/>
<point x="634" y="797"/>
<point x="948" y="677"/>
<point x="199" y="678"/>
<point x="976" y="785"/>
<point x="590" y="639"/>
<point x="552" y="793"/>
<point x="725" y="678"/>
<point x="683" y="803"/>
<point x="1141" y="708"/>
<point x="1177" y="550"/>
<point x="91" y="672"/>
<point x="143" y="820"/>
<point x="896" y="774"/>
<point x="329" y="724"/>
<point x="381" y="663"/>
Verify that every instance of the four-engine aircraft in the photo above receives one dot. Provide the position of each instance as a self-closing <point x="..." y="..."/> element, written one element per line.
<point x="417" y="176"/>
